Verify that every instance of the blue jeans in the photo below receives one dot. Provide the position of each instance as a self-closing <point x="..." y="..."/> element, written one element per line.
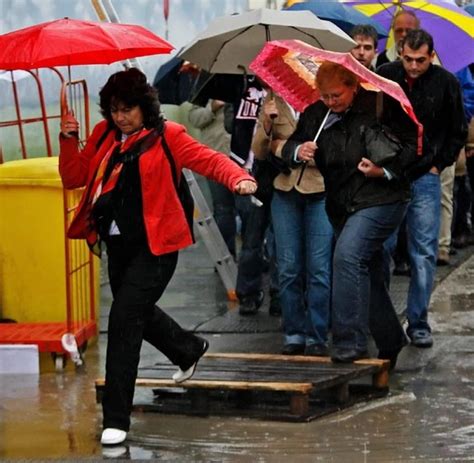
<point x="303" y="237"/>
<point x="423" y="218"/>
<point x="360" y="298"/>
<point x="423" y="222"/>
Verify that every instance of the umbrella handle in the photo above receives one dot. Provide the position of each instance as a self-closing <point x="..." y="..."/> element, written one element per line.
<point x="70" y="85"/>
<point x="314" y="140"/>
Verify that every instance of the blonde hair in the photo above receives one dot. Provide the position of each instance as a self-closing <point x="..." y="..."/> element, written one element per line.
<point x="329" y="72"/>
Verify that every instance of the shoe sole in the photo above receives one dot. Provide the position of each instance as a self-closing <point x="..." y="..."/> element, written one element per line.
<point x="191" y="373"/>
<point x="113" y="441"/>
<point x="421" y="345"/>
<point x="254" y="310"/>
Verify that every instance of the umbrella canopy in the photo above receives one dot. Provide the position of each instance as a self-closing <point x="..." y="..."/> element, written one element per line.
<point x="470" y="9"/>
<point x="290" y="67"/>
<point x="66" y="42"/>
<point x="452" y="28"/>
<point x="343" y="16"/>
<point x="175" y="81"/>
<point x="232" y="42"/>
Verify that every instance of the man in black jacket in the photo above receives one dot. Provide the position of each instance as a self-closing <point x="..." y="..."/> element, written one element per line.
<point x="436" y="98"/>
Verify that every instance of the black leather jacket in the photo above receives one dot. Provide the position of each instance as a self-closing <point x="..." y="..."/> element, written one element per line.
<point x="437" y="101"/>
<point x="341" y="148"/>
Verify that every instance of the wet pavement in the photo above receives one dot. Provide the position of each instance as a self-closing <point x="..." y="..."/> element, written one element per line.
<point x="428" y="415"/>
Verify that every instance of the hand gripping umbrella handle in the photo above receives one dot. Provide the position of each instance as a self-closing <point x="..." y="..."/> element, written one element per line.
<point x="315" y="139"/>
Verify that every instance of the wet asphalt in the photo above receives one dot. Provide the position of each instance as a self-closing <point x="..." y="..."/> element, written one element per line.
<point x="428" y="415"/>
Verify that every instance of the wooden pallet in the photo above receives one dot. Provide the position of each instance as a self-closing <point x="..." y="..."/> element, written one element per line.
<point x="278" y="387"/>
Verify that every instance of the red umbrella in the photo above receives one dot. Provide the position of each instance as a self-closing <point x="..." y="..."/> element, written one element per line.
<point x="66" y="42"/>
<point x="289" y="67"/>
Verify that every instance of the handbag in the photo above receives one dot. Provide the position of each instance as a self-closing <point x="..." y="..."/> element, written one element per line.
<point x="381" y="144"/>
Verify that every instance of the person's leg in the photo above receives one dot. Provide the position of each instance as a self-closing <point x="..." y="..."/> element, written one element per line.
<point x="318" y="237"/>
<point x="288" y="226"/>
<point x="462" y="205"/>
<point x="470" y="175"/>
<point x="461" y="228"/>
<point x="423" y="219"/>
<point x="384" y="324"/>
<point x="224" y="213"/>
<point x="400" y="255"/>
<point x="182" y="347"/>
<point x="361" y="237"/>
<point x="138" y="280"/>
<point x="389" y="247"/>
<point x="446" y="214"/>
<point x="250" y="265"/>
<point x="270" y="249"/>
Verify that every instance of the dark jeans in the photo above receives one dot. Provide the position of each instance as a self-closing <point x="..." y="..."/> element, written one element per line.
<point x="255" y="221"/>
<point x="138" y="279"/>
<point x="224" y="213"/>
<point x="360" y="298"/>
<point x="470" y="174"/>
<point x="461" y="206"/>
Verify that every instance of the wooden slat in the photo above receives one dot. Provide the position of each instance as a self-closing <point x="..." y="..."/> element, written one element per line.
<point x="302" y="388"/>
<point x="269" y="357"/>
<point x="319" y="382"/>
<point x="295" y="358"/>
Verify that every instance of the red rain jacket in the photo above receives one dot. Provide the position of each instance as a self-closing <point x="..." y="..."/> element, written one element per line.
<point x="165" y="221"/>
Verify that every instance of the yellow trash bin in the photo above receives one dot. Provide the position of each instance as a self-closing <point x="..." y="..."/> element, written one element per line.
<point x="36" y="278"/>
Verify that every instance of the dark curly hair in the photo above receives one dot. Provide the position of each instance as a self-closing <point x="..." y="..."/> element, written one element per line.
<point x="131" y="88"/>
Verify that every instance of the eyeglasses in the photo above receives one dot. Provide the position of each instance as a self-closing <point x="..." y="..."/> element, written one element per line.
<point x="409" y="59"/>
<point x="331" y="96"/>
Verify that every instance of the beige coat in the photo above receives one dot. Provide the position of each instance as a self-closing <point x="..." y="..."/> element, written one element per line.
<point x="283" y="126"/>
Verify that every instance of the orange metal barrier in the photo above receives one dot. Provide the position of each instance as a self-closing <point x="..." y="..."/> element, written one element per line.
<point x="81" y="274"/>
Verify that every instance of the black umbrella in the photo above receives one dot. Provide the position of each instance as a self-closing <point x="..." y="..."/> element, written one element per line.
<point x="175" y="81"/>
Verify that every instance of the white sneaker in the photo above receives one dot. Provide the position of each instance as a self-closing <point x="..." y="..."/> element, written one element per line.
<point x="112" y="436"/>
<point x="181" y="375"/>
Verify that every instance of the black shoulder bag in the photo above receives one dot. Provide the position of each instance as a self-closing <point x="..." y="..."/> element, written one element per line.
<point x="381" y="144"/>
<point x="182" y="188"/>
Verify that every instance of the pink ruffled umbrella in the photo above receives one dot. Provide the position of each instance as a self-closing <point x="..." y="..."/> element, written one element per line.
<point x="289" y="67"/>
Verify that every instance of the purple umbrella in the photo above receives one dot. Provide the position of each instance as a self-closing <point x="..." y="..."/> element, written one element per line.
<point x="452" y="27"/>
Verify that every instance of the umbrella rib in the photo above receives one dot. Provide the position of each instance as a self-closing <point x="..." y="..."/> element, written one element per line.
<point x="309" y="35"/>
<point x="382" y="4"/>
<point x="226" y="42"/>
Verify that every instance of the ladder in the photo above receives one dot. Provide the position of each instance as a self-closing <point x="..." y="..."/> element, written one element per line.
<point x="203" y="218"/>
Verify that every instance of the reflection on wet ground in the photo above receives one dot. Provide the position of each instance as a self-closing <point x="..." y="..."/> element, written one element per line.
<point x="428" y="415"/>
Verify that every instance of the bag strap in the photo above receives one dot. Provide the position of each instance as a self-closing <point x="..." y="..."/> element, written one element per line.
<point x="103" y="137"/>
<point x="167" y="150"/>
<point x="379" y="106"/>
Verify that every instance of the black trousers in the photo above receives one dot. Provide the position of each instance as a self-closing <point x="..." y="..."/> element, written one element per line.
<point x="138" y="279"/>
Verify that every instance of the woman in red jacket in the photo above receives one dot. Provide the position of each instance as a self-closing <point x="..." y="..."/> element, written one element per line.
<point x="131" y="168"/>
